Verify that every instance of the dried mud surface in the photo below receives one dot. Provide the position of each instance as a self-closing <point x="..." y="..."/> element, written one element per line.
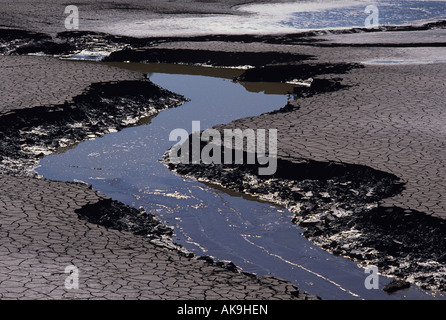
<point x="351" y="146"/>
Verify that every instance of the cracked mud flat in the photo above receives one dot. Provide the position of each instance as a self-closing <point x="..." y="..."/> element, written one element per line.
<point x="327" y="225"/>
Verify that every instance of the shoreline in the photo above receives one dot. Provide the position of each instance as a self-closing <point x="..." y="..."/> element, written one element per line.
<point x="290" y="108"/>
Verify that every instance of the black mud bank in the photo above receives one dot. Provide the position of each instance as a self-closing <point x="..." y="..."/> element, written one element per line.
<point x="338" y="205"/>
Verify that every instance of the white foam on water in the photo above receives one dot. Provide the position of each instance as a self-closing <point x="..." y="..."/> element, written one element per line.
<point x="252" y="19"/>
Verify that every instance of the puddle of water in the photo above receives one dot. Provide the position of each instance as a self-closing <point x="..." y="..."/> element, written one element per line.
<point x="256" y="236"/>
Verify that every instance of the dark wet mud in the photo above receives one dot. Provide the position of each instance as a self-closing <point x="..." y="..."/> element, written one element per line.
<point x="105" y="107"/>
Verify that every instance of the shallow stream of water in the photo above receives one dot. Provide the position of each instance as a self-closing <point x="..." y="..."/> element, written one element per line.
<point x="258" y="237"/>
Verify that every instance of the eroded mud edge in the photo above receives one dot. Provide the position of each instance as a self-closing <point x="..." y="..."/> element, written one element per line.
<point x="30" y="134"/>
<point x="338" y="204"/>
<point x="16" y="41"/>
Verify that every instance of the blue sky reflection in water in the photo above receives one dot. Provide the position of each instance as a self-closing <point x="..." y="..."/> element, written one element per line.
<point x="256" y="236"/>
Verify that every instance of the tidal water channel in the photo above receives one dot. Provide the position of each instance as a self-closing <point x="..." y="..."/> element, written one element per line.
<point x="257" y="237"/>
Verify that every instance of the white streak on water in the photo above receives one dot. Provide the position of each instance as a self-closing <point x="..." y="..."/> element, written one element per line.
<point x="302" y="267"/>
